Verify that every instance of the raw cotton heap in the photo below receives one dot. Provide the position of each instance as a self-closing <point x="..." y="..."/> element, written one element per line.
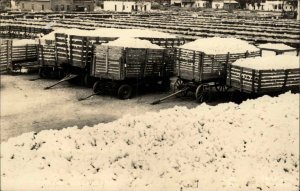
<point x="217" y="45"/>
<point x="23" y="42"/>
<point x="276" y="46"/>
<point x="132" y="43"/>
<point x="269" y="62"/>
<point x="251" y="146"/>
<point x="109" y="32"/>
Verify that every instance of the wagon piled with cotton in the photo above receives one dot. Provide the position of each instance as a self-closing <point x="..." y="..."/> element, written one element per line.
<point x="201" y="65"/>
<point x="123" y="65"/>
<point x="5" y="59"/>
<point x="74" y="48"/>
<point x="264" y="74"/>
<point x="269" y="49"/>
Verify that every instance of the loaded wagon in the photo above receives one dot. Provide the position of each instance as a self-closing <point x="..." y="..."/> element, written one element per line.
<point x="264" y="75"/>
<point x="120" y="70"/>
<point x="74" y="53"/>
<point x="269" y="49"/>
<point x="197" y="71"/>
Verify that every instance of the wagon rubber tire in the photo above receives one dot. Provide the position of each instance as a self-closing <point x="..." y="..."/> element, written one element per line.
<point x="179" y="85"/>
<point x="124" y="91"/>
<point x="202" y="93"/>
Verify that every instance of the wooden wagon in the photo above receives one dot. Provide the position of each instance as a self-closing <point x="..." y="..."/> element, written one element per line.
<point x="120" y="70"/>
<point x="198" y="72"/>
<point x="257" y="81"/>
<point x="75" y="53"/>
<point x="5" y="58"/>
<point x="47" y="60"/>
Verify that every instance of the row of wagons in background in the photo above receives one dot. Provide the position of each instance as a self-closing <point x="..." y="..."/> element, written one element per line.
<point x="120" y="70"/>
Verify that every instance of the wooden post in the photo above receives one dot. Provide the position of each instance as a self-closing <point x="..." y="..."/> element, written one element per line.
<point x="145" y="63"/>
<point x="241" y="79"/>
<point x="194" y="59"/>
<point x="106" y="59"/>
<point x="259" y="81"/>
<point x="200" y="66"/>
<point x="212" y="63"/>
<point x="229" y="77"/>
<point x="226" y="65"/>
<point x="286" y="73"/>
<point x="26" y="51"/>
<point x="179" y="57"/>
<point x="298" y="11"/>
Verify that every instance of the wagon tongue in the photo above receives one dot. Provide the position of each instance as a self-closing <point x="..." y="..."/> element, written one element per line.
<point x="68" y="77"/>
<point x="84" y="98"/>
<point x="168" y="96"/>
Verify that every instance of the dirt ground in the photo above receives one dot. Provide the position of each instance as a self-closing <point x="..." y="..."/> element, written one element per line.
<point x="26" y="106"/>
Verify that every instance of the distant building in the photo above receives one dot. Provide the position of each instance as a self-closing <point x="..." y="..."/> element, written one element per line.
<point x="201" y="3"/>
<point x="230" y="5"/>
<point x="127" y="6"/>
<point x="227" y="4"/>
<point x="175" y="2"/>
<point x="72" y="5"/>
<point x="187" y="3"/>
<point x="35" y="5"/>
<point x="195" y="3"/>
<point x="273" y="5"/>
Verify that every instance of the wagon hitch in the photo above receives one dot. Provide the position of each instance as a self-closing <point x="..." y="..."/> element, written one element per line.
<point x="68" y="77"/>
<point x="171" y="95"/>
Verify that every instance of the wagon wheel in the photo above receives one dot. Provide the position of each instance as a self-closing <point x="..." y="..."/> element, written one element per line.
<point x="42" y="73"/>
<point x="60" y="73"/>
<point x="87" y="80"/>
<point x="179" y="85"/>
<point x="99" y="87"/>
<point x="221" y="87"/>
<point x="125" y="91"/>
<point x="202" y="93"/>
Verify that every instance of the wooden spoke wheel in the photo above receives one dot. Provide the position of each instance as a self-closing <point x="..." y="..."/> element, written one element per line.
<point x="125" y="91"/>
<point x="179" y="85"/>
<point x="221" y="87"/>
<point x="99" y="87"/>
<point x="202" y="93"/>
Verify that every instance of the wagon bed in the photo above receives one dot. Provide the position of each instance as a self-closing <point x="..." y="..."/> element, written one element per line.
<point x="5" y="58"/>
<point x="197" y="66"/>
<point x="262" y="81"/>
<point x="118" y="63"/>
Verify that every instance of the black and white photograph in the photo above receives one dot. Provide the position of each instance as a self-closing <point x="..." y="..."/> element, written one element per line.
<point x="149" y="95"/>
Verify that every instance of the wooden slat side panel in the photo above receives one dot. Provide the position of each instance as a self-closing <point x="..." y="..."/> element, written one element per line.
<point x="264" y="81"/>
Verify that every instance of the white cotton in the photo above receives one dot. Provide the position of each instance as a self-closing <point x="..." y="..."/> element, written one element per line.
<point x="270" y="62"/>
<point x="217" y="45"/>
